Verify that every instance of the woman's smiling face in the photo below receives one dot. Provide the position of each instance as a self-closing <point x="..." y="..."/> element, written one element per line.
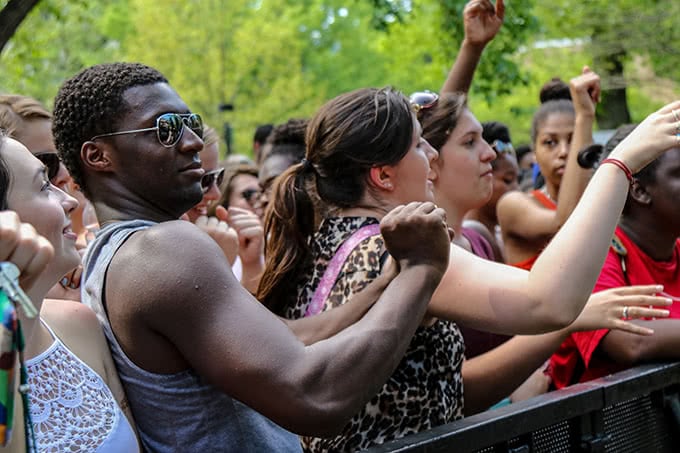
<point x="38" y="202"/>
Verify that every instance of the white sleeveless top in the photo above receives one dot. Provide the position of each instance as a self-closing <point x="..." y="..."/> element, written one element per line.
<point x="72" y="408"/>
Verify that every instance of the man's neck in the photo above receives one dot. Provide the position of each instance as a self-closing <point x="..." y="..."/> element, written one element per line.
<point x="650" y="237"/>
<point x="119" y="209"/>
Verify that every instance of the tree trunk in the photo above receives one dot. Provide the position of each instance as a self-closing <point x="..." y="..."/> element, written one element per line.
<point x="613" y="109"/>
<point x="11" y="16"/>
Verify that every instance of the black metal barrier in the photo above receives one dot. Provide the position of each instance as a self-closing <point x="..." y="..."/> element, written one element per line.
<point x="637" y="410"/>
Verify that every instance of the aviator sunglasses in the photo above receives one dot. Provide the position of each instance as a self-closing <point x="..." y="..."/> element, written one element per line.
<point x="169" y="128"/>
<point x="421" y="100"/>
<point x="51" y="161"/>
<point x="212" y="177"/>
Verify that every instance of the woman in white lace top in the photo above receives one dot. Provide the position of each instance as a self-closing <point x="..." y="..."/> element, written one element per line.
<point x="75" y="395"/>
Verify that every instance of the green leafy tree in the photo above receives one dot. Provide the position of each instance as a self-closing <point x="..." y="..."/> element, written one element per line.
<point x="245" y="53"/>
<point x="622" y="38"/>
<point x="57" y="39"/>
<point x="13" y="12"/>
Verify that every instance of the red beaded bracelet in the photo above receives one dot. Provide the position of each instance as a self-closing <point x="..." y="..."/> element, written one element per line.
<point x="621" y="165"/>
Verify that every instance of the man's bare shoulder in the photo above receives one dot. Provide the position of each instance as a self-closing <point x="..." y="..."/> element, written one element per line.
<point x="163" y="262"/>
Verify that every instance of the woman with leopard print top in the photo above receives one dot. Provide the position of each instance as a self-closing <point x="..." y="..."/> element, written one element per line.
<point x="365" y="155"/>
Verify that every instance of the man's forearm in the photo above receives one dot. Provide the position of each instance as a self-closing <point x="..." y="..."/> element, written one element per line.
<point x="366" y="353"/>
<point x="630" y="349"/>
<point x="328" y="323"/>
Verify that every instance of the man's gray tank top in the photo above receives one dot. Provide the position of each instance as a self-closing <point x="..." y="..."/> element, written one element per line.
<point x="175" y="412"/>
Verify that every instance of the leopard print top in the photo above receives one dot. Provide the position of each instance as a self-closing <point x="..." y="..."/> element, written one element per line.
<point x="426" y="389"/>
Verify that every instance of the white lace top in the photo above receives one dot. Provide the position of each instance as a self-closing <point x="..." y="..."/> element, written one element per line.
<point x="72" y="408"/>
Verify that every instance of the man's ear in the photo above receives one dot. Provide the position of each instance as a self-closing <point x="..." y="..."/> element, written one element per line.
<point x="639" y="193"/>
<point x="382" y="177"/>
<point x="95" y="157"/>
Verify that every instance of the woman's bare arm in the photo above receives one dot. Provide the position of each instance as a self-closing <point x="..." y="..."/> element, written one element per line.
<point x="490" y="296"/>
<point x="494" y="375"/>
<point x="481" y="23"/>
<point x="521" y="217"/>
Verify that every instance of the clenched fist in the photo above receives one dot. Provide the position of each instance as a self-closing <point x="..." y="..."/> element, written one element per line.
<point x="417" y="234"/>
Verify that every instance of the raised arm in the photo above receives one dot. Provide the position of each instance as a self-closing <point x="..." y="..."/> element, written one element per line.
<point x="492" y="376"/>
<point x="498" y="298"/>
<point x="520" y="216"/>
<point x="481" y="23"/>
<point x="244" y="350"/>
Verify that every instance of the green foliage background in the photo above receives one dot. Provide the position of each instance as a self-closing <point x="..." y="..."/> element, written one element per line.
<point x="276" y="59"/>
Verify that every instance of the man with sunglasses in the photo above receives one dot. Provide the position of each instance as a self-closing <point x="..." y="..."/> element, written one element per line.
<point x="190" y="343"/>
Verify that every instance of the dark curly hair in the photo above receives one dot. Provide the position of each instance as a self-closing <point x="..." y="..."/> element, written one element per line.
<point x="288" y="139"/>
<point x="554" y="90"/>
<point x="91" y="103"/>
<point x="494" y="130"/>
<point x="262" y="132"/>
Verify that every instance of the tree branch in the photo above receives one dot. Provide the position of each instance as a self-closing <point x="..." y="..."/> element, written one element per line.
<point x="11" y="16"/>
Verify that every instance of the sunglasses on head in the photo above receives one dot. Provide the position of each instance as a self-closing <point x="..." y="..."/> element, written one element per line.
<point x="51" y="161"/>
<point x="502" y="147"/>
<point x="422" y="100"/>
<point x="169" y="128"/>
<point x="212" y="177"/>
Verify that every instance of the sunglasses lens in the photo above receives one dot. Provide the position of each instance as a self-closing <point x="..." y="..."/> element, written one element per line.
<point x="212" y="177"/>
<point x="169" y="128"/>
<point x="51" y="161"/>
<point x="195" y="123"/>
<point x="423" y="99"/>
<point x="502" y="147"/>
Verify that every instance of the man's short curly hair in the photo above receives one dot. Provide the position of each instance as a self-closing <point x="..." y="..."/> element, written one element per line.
<point x="91" y="103"/>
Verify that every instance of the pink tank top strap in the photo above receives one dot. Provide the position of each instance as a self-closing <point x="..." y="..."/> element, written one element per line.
<point x="333" y="270"/>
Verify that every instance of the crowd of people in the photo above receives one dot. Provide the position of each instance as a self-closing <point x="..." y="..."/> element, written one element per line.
<point x="386" y="266"/>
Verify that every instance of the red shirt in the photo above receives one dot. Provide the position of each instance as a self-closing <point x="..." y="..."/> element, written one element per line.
<point x="575" y="360"/>
<point x="547" y="203"/>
